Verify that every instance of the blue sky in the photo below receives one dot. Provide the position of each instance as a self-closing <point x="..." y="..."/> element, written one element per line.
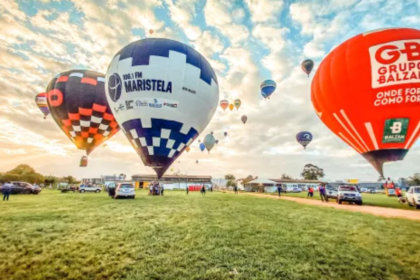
<point x="245" y="41"/>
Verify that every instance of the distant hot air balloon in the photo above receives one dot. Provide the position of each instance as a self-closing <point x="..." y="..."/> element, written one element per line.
<point x="202" y="147"/>
<point x="226" y="133"/>
<point x="42" y="103"/>
<point x="211" y="133"/>
<point x="151" y="31"/>
<point x="237" y="103"/>
<point x="188" y="149"/>
<point x="217" y="142"/>
<point x="196" y="161"/>
<point x="224" y="104"/>
<point x="78" y="105"/>
<point x="172" y="106"/>
<point x="304" y="138"/>
<point x="267" y="88"/>
<point x="365" y="91"/>
<point x="209" y="142"/>
<point x="231" y="107"/>
<point x="244" y="119"/>
<point x="307" y="66"/>
<point x="199" y="140"/>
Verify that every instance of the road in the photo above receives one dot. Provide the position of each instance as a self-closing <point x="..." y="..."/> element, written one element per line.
<point x="374" y="210"/>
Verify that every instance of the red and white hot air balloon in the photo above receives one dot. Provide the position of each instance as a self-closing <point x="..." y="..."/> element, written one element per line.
<point x="224" y="104"/>
<point x="367" y="91"/>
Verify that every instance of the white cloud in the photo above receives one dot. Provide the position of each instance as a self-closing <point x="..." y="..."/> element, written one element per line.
<point x="264" y="10"/>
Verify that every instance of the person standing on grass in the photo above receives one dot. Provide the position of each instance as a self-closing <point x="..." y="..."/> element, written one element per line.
<point x="203" y="190"/>
<point x="310" y="192"/>
<point x="161" y="190"/>
<point x="279" y="190"/>
<point x="187" y="189"/>
<point x="235" y="189"/>
<point x="7" y="189"/>
<point x="323" y="192"/>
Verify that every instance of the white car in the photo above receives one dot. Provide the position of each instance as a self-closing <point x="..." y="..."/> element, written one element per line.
<point x="331" y="192"/>
<point x="89" y="188"/>
<point x="349" y="194"/>
<point x="412" y="196"/>
<point x="126" y="190"/>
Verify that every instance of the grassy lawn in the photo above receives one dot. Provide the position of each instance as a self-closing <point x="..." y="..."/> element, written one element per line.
<point x="368" y="199"/>
<point x="90" y="236"/>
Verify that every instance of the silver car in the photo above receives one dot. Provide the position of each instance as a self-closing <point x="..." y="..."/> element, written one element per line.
<point x="412" y="197"/>
<point x="125" y="190"/>
<point x="349" y="194"/>
<point x="89" y="188"/>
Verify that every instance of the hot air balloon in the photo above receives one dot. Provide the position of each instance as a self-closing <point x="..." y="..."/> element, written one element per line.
<point x="42" y="103"/>
<point x="231" y="107"/>
<point x="224" y="104"/>
<point x="237" y="103"/>
<point x="211" y="133"/>
<point x="202" y="146"/>
<point x="78" y="105"/>
<point x="226" y="133"/>
<point x="172" y="106"/>
<point x="188" y="149"/>
<point x="199" y="140"/>
<point x="151" y="31"/>
<point x="365" y="91"/>
<point x="217" y="142"/>
<point x="307" y="66"/>
<point x="196" y="161"/>
<point x="267" y="88"/>
<point x="244" y="119"/>
<point x="209" y="142"/>
<point x="304" y="138"/>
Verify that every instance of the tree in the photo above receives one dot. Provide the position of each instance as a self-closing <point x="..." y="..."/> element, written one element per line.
<point x="70" y="179"/>
<point x="231" y="180"/>
<point x="22" y="172"/>
<point x="312" y="172"/>
<point x="285" y="176"/>
<point x="249" y="178"/>
<point x="415" y="180"/>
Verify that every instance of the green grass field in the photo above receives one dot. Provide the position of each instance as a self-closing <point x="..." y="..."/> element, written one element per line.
<point x="90" y="236"/>
<point x="378" y="199"/>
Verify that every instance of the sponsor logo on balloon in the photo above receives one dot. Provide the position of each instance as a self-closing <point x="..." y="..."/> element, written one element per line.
<point x="114" y="87"/>
<point x="173" y="105"/>
<point x="129" y="104"/>
<point x="140" y="103"/>
<point x="395" y="131"/>
<point x="189" y="90"/>
<point x="135" y="82"/>
<point x="395" y="63"/>
<point x="155" y="105"/>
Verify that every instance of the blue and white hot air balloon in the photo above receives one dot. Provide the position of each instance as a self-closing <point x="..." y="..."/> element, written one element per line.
<point x="267" y="88"/>
<point x="202" y="147"/>
<point x="163" y="94"/>
<point x="304" y="138"/>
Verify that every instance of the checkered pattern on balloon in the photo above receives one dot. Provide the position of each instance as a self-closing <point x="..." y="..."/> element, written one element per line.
<point x="78" y="104"/>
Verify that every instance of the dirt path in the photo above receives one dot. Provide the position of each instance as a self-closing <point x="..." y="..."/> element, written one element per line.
<point x="374" y="210"/>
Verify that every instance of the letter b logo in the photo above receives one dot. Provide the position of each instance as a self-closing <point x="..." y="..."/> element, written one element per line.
<point x="396" y="127"/>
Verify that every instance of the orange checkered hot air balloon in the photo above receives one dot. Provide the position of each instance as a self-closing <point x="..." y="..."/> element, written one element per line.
<point x="79" y="106"/>
<point x="367" y="91"/>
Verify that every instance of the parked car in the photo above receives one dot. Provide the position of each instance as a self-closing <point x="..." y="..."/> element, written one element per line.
<point x="331" y="191"/>
<point x="349" y="194"/>
<point x="125" y="190"/>
<point x="23" y="188"/>
<point x="89" y="188"/>
<point x="110" y="188"/>
<point x="68" y="188"/>
<point x="412" y="196"/>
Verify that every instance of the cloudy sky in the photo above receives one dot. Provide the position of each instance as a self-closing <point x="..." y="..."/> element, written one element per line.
<point x="246" y="42"/>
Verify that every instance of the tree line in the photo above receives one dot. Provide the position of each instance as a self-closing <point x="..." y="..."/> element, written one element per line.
<point x="25" y="173"/>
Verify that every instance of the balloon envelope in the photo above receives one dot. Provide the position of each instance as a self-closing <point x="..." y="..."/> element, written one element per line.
<point x="372" y="73"/>
<point x="202" y="146"/>
<point x="267" y="88"/>
<point x="42" y="103"/>
<point x="224" y="104"/>
<point x="237" y="103"/>
<point x="304" y="138"/>
<point x="209" y="142"/>
<point x="217" y="142"/>
<point x="167" y="93"/>
<point x="231" y="107"/>
<point x="78" y="105"/>
<point x="226" y="134"/>
<point x="307" y="66"/>
<point x="244" y="119"/>
<point x="188" y="149"/>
